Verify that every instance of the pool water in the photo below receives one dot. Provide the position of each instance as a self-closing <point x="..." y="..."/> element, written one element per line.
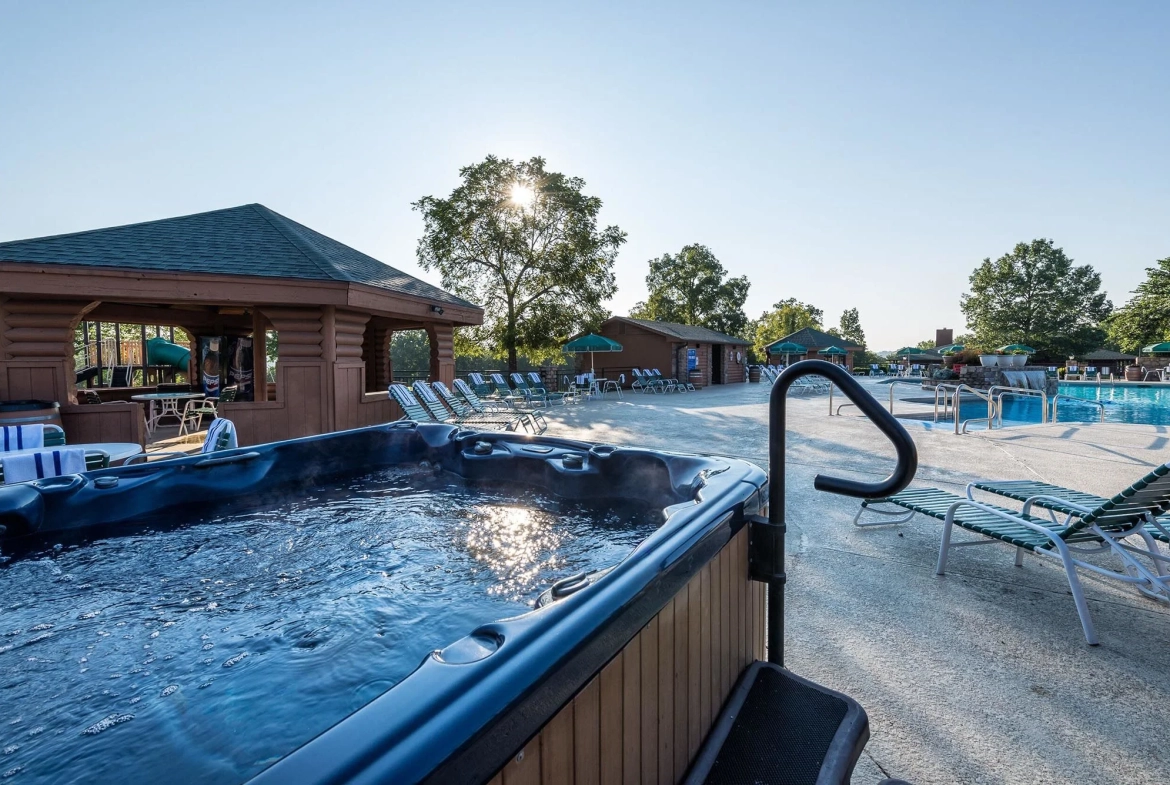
<point x="1122" y="404"/>
<point x="203" y="652"/>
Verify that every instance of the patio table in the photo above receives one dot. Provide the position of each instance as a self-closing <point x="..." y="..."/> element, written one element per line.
<point x="168" y="406"/>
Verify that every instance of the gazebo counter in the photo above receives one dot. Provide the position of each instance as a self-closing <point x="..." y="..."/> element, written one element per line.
<point x="119" y="421"/>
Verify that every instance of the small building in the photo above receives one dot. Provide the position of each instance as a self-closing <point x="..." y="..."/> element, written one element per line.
<point x="1107" y="358"/>
<point x="242" y="271"/>
<point x="674" y="349"/>
<point x="813" y="342"/>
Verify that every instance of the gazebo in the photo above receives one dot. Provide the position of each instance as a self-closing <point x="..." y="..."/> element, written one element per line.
<point x="241" y="271"/>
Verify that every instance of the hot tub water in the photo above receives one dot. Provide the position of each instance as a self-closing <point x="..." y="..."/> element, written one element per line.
<point x="203" y="652"/>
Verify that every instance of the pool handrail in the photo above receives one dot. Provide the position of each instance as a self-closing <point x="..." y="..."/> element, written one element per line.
<point x="766" y="554"/>
<point x="1056" y="408"/>
<point x="957" y="390"/>
<point x="1005" y="390"/>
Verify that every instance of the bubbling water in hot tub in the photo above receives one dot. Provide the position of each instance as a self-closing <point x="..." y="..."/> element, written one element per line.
<point x="202" y="652"/>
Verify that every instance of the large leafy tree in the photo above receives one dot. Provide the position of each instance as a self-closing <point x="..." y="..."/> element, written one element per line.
<point x="1145" y="319"/>
<point x="850" y="327"/>
<point x="786" y="317"/>
<point x="524" y="243"/>
<point x="1035" y="295"/>
<point x="691" y="287"/>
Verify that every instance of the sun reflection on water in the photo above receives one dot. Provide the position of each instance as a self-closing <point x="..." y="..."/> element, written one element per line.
<point x="516" y="544"/>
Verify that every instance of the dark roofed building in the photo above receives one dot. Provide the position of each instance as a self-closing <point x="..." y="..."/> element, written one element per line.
<point x="813" y="341"/>
<point x="238" y="272"/>
<point x="675" y="349"/>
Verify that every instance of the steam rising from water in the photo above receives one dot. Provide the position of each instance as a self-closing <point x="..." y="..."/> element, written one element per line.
<point x="203" y="652"/>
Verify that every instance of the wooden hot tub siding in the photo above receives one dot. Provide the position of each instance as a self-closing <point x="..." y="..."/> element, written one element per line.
<point x="644" y="716"/>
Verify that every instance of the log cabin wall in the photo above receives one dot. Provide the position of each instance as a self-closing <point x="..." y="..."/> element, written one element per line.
<point x="643" y="718"/>
<point x="36" y="348"/>
<point x="119" y="421"/>
<point x="442" y="340"/>
<point x="320" y="379"/>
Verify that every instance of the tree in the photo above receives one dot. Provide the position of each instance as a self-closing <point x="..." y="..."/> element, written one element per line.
<point x="525" y="244"/>
<point x="785" y="318"/>
<point x="850" y="327"/>
<point x="691" y="287"/>
<point x="1145" y="319"/>
<point x="1036" y="296"/>
<point x="928" y="344"/>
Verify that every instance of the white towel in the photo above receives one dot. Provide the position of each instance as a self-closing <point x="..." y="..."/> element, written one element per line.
<point x="46" y="463"/>
<point x="22" y="437"/>
<point x="220" y="426"/>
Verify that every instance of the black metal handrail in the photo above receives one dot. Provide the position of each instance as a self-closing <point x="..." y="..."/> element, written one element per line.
<point x="771" y="535"/>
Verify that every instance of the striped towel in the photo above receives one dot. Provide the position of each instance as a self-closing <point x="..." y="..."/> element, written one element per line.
<point x="46" y="463"/>
<point x="22" y="437"/>
<point x="219" y="427"/>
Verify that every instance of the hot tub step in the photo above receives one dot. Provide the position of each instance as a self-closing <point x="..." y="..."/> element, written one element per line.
<point x="780" y="729"/>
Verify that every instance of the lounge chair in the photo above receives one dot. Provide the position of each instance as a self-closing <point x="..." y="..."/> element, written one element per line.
<point x="534" y="383"/>
<point x="482" y="388"/>
<point x="670" y="383"/>
<point x="646" y="381"/>
<point x="431" y="402"/>
<point x="639" y="382"/>
<point x="409" y="404"/>
<point x="536" y="393"/>
<point x="507" y="419"/>
<point x="1116" y="526"/>
<point x="505" y="392"/>
<point x="493" y="407"/>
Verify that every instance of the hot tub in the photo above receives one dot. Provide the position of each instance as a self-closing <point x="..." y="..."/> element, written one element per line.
<point x="608" y="650"/>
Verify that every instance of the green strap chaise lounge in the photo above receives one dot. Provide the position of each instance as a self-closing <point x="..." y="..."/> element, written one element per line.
<point x="1119" y="527"/>
<point x="534" y="417"/>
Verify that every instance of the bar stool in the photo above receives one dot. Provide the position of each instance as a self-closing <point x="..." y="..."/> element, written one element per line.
<point x="610" y="384"/>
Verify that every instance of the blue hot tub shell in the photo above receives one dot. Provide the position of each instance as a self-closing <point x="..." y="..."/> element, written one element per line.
<point x="466" y="710"/>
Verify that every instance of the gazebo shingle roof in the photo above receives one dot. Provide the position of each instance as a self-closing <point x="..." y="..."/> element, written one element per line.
<point x="815" y="339"/>
<point x="247" y="240"/>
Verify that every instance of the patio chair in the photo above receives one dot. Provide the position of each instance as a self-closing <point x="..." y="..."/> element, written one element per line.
<point x="51" y="463"/>
<point x="221" y="435"/>
<point x="33" y="436"/>
<point x="494" y="407"/>
<point x="615" y="385"/>
<point x="502" y="390"/>
<point x="509" y="419"/>
<point x="639" y="382"/>
<point x="1090" y="372"/>
<point x="1103" y="528"/>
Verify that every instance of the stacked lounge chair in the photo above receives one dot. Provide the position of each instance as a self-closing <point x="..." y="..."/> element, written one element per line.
<point x="431" y="401"/>
<point x="482" y="406"/>
<point x="1126" y="527"/>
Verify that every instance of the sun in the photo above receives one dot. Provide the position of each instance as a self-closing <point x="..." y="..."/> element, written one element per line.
<point x="523" y="195"/>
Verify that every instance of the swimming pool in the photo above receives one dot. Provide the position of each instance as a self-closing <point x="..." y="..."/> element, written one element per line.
<point x="1083" y="403"/>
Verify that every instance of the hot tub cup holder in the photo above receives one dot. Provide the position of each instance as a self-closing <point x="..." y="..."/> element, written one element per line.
<point x="602" y="450"/>
<point x="573" y="460"/>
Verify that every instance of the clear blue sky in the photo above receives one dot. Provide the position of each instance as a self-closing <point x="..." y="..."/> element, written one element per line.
<point x="847" y="154"/>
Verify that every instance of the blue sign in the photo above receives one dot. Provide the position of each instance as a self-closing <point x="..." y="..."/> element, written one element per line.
<point x="692" y="359"/>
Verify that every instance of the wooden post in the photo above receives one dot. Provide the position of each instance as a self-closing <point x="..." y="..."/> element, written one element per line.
<point x="442" y="337"/>
<point x="259" y="356"/>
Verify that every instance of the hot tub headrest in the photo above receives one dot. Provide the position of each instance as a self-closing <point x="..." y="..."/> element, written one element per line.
<point x="22" y="507"/>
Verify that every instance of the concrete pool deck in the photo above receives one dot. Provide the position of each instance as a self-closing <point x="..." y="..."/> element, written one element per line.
<point x="981" y="676"/>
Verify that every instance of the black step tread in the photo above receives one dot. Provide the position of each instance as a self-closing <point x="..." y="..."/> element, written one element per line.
<point x="780" y="729"/>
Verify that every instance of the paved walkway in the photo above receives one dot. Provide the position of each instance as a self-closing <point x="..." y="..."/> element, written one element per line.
<point x="981" y="676"/>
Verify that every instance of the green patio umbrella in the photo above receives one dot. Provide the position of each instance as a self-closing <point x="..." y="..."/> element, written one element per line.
<point x="591" y="343"/>
<point x="1157" y="348"/>
<point x="786" y="348"/>
<point x="907" y="351"/>
<point x="954" y="347"/>
<point x="834" y="352"/>
<point x="1017" y="347"/>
